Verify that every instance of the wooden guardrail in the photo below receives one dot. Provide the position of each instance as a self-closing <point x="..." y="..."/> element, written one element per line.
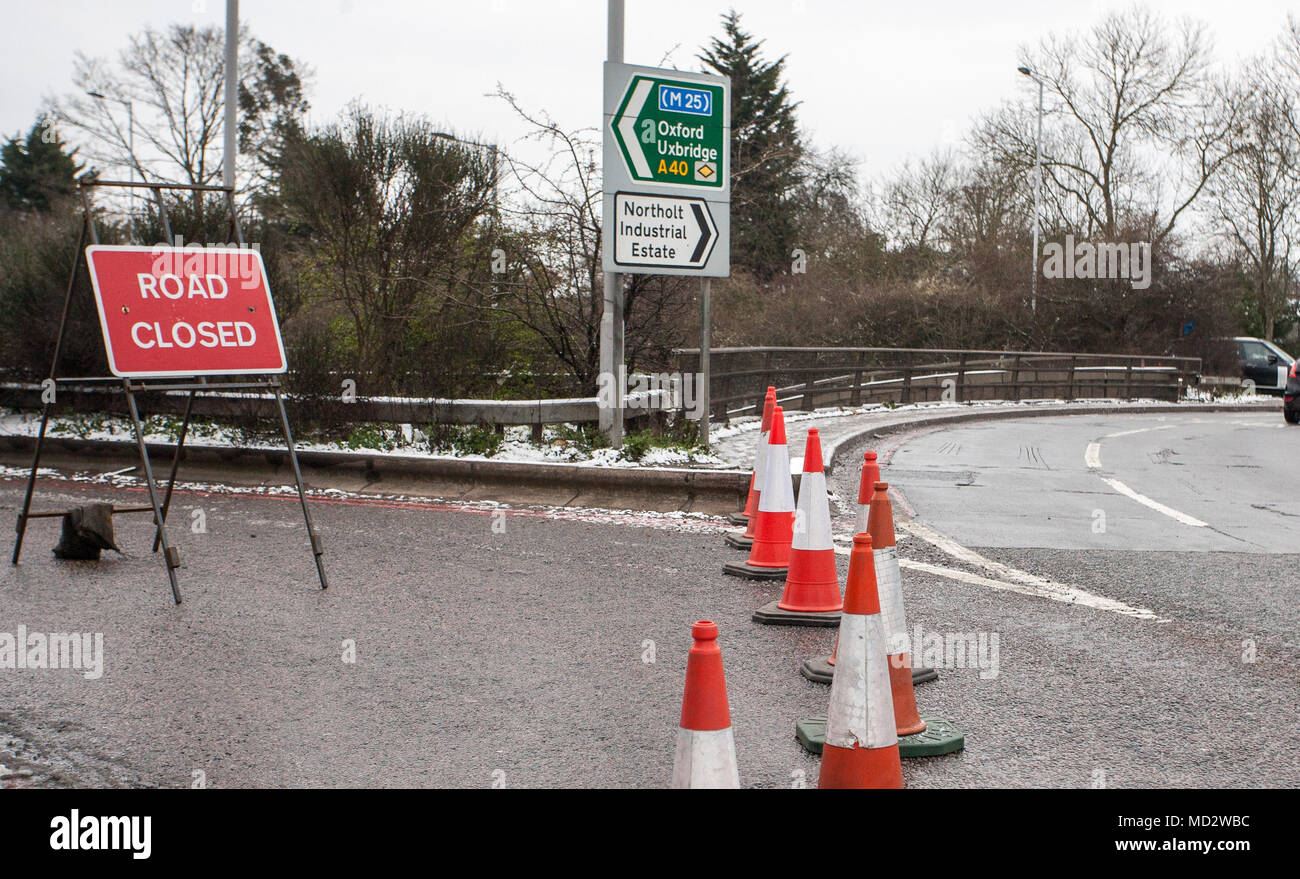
<point x="807" y="378"/>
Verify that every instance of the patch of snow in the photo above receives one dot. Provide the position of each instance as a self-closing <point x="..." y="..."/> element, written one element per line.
<point x="398" y="439"/>
<point x="750" y="423"/>
<point x="677" y="520"/>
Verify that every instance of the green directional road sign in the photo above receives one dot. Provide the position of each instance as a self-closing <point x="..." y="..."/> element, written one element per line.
<point x="666" y="172"/>
<point x="673" y="131"/>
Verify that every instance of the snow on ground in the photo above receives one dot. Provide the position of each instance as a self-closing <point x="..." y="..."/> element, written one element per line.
<point x="747" y="423"/>
<point x="676" y="520"/>
<point x="558" y="444"/>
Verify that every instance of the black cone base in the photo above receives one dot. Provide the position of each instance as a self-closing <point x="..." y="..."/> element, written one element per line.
<point x="820" y="671"/>
<point x="772" y="614"/>
<point x="749" y="572"/>
<point x="737" y="541"/>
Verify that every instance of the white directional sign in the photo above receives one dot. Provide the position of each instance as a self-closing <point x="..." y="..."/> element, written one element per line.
<point x="662" y="231"/>
<point x="667" y="172"/>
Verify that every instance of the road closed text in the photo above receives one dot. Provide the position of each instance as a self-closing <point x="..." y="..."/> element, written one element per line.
<point x="205" y="334"/>
<point x="186" y="334"/>
<point x="174" y="287"/>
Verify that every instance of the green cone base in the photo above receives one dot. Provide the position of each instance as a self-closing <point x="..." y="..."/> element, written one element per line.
<point x="938" y="737"/>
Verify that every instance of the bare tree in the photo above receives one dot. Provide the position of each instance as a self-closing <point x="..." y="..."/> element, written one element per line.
<point x="173" y="81"/>
<point x="986" y="225"/>
<point x="1255" y="197"/>
<point x="554" y="285"/>
<point x="1286" y="53"/>
<point x="1132" y="108"/>
<point x="917" y="201"/>
<point x="554" y="279"/>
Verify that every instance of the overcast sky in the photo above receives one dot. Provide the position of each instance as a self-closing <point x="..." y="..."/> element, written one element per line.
<point x="881" y="80"/>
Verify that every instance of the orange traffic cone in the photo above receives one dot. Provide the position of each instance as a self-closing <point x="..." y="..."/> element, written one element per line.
<point x="774" y="523"/>
<point x="812" y="585"/>
<point x="861" y="747"/>
<point x="821" y="669"/>
<point x="706" y="749"/>
<point x="745" y="541"/>
<point x="889" y="579"/>
<point x="866" y="488"/>
<point x="916" y="736"/>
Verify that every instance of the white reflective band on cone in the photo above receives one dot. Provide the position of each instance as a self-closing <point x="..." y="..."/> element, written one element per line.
<point x="814" y="531"/>
<point x="862" y="705"/>
<point x="777" y="493"/>
<point x="705" y="759"/>
<point x="889" y="586"/>
<point x="860" y="523"/>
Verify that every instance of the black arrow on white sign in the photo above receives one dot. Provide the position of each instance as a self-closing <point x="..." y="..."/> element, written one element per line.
<point x="707" y="232"/>
<point x="663" y="231"/>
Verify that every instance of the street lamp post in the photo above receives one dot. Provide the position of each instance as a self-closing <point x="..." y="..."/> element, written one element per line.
<point x="496" y="168"/>
<point x="230" y="148"/>
<point x="1038" y="186"/>
<point x="130" y="133"/>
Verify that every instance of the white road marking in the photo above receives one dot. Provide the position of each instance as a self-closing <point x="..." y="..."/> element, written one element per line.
<point x="975" y="579"/>
<point x="1153" y="504"/>
<point x="1029" y="584"/>
<point x="1141" y="430"/>
<point x="1015" y="580"/>
<point x="1092" y="457"/>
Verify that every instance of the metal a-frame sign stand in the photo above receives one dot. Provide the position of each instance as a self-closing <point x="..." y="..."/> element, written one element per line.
<point x="271" y="383"/>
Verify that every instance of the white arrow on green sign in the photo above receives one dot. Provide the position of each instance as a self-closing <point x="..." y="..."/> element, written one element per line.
<point x="671" y="131"/>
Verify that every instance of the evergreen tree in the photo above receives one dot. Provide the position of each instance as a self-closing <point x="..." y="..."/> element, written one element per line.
<point x="766" y="151"/>
<point x="38" y="170"/>
<point x="272" y="108"/>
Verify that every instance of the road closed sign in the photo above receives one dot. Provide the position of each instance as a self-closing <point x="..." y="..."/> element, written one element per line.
<point x="169" y="311"/>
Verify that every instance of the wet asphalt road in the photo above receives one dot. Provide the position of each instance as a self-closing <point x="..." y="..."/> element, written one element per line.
<point x="518" y="656"/>
<point x="1061" y="482"/>
<point x="1208" y="694"/>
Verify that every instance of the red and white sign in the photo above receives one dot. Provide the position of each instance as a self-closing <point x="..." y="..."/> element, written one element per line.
<point x="170" y="311"/>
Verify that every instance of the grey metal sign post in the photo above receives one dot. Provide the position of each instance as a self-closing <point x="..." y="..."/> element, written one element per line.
<point x="611" y="317"/>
